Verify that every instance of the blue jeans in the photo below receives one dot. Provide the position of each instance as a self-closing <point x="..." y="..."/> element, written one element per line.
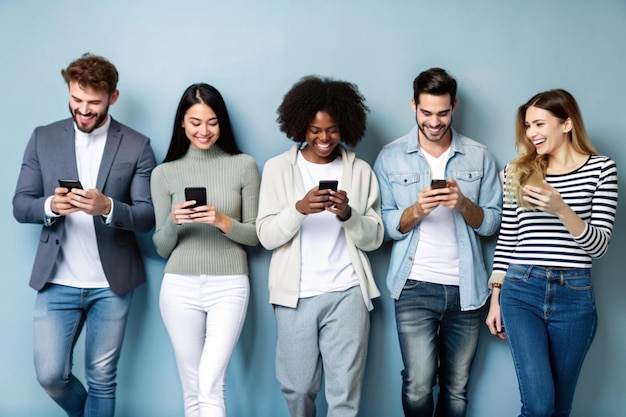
<point x="550" y="320"/>
<point x="60" y="314"/>
<point x="437" y="339"/>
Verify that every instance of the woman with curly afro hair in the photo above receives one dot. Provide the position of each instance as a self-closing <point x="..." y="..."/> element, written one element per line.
<point x="319" y="212"/>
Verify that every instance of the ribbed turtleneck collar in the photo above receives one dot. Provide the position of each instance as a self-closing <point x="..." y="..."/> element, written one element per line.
<point x="196" y="154"/>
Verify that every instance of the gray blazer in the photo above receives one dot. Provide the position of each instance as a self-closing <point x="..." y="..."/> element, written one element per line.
<point x="124" y="176"/>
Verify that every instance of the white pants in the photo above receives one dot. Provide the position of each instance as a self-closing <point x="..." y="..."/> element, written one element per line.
<point x="203" y="316"/>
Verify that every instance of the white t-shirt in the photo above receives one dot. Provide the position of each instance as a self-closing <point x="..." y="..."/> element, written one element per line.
<point x="436" y="258"/>
<point x="325" y="261"/>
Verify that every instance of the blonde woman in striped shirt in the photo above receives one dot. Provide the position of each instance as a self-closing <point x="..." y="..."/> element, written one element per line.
<point x="560" y="199"/>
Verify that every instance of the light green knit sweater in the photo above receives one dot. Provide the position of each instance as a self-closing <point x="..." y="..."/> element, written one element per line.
<point x="232" y="184"/>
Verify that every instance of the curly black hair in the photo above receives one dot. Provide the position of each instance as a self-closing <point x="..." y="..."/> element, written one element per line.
<point x="340" y="99"/>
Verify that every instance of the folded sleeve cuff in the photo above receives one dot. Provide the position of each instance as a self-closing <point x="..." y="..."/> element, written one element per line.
<point x="496" y="278"/>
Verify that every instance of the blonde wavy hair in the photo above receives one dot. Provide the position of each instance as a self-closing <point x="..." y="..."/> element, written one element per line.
<point x="561" y="105"/>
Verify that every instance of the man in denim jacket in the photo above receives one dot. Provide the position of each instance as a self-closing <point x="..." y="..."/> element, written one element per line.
<point x="437" y="274"/>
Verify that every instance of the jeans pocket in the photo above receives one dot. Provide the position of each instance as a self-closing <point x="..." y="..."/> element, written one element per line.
<point x="578" y="284"/>
<point x="517" y="273"/>
<point x="410" y="284"/>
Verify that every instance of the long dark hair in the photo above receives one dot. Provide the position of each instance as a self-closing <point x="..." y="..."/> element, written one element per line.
<point x="204" y="94"/>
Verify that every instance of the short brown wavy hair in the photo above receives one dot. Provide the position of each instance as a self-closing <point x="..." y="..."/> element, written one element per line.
<point x="92" y="71"/>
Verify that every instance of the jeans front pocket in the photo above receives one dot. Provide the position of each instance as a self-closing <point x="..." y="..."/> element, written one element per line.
<point x="578" y="283"/>
<point x="517" y="273"/>
<point x="410" y="284"/>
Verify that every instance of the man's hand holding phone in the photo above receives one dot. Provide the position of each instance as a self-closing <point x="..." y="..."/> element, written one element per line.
<point x="61" y="202"/>
<point x="70" y="197"/>
<point x="452" y="197"/>
<point x="431" y="197"/>
<point x="427" y="201"/>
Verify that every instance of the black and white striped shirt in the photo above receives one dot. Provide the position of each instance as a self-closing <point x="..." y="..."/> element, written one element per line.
<point x="539" y="238"/>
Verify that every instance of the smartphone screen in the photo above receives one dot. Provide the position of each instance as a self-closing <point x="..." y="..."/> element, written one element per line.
<point x="434" y="184"/>
<point x="196" y="193"/>
<point x="69" y="184"/>
<point x="328" y="185"/>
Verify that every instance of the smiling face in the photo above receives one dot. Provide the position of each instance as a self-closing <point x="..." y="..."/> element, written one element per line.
<point x="434" y="117"/>
<point x="549" y="134"/>
<point x="89" y="107"/>
<point x="201" y="126"/>
<point x="322" y="138"/>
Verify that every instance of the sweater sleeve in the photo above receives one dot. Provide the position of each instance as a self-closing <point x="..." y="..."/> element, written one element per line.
<point x="165" y="236"/>
<point x="243" y="229"/>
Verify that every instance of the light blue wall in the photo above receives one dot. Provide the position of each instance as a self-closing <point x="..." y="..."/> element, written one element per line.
<point x="500" y="52"/>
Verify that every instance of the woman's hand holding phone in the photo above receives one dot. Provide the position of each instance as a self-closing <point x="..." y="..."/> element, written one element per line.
<point x="325" y="197"/>
<point x="317" y="198"/>
<point x="195" y="209"/>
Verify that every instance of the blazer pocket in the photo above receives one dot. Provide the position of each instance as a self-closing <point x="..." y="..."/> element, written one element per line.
<point x="45" y="235"/>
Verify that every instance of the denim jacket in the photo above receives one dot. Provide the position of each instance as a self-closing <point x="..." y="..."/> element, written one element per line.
<point x="402" y="172"/>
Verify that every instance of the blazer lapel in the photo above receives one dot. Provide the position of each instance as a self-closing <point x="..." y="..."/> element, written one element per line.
<point x="114" y="137"/>
<point x="64" y="151"/>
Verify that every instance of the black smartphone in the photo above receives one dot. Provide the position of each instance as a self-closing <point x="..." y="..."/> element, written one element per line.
<point x="69" y="184"/>
<point x="328" y="185"/>
<point x="434" y="184"/>
<point x="196" y="193"/>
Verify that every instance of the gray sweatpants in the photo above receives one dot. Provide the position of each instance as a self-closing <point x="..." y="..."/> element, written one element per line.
<point x="327" y="333"/>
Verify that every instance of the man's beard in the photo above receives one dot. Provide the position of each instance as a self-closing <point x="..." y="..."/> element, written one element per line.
<point x="99" y="120"/>
<point x="434" y="138"/>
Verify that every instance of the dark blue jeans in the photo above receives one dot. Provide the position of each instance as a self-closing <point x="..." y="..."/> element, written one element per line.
<point x="550" y="320"/>
<point x="437" y="339"/>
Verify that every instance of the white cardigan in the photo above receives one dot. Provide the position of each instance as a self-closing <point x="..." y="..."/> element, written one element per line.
<point x="278" y="223"/>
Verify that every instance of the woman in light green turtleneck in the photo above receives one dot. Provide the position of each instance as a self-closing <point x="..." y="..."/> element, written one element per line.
<point x="204" y="294"/>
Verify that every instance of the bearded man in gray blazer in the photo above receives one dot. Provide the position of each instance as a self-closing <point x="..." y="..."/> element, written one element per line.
<point x="88" y="261"/>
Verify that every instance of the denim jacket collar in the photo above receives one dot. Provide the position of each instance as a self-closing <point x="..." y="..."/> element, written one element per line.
<point x="413" y="144"/>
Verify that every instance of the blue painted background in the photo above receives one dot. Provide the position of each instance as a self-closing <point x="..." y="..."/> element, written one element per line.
<point x="501" y="54"/>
